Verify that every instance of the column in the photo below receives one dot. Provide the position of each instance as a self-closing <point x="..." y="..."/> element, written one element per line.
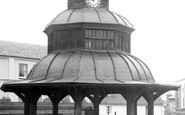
<point x="96" y="107"/>
<point x="149" y="96"/>
<point x="26" y="107"/>
<point x="132" y="96"/>
<point x="30" y="98"/>
<point x="131" y="106"/>
<point x="33" y="107"/>
<point x="96" y="100"/>
<point x="56" y="95"/>
<point x="55" y="108"/>
<point x="151" y="107"/>
<point x="78" y="97"/>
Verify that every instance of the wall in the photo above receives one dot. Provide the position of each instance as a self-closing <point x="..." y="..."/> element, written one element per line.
<point x="9" y="70"/>
<point x="121" y="110"/>
<point x="180" y="95"/>
<point x="158" y="110"/>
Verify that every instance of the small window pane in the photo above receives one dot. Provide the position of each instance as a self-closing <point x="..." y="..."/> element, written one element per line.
<point x="93" y="44"/>
<point x="104" y="34"/>
<point x="101" y="34"/>
<point x="109" y="35"/>
<point x="104" y="44"/>
<point x="97" y="44"/>
<point x="87" y="33"/>
<point x="93" y="34"/>
<point x="111" y="44"/>
<point x="97" y="34"/>
<point x="88" y="44"/>
<point x="23" y="71"/>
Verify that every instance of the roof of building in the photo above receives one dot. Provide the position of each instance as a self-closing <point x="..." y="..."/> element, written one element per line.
<point x="82" y="66"/>
<point x="89" y="15"/>
<point x="15" y="49"/>
<point x="117" y="99"/>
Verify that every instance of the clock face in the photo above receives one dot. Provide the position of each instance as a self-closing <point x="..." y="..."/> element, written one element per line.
<point x="93" y="3"/>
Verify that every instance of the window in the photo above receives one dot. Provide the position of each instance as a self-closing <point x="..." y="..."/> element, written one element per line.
<point x="103" y="44"/>
<point x="146" y="110"/>
<point x="23" y="71"/>
<point x="88" y="43"/>
<point x="100" y="39"/>
<point x="109" y="110"/>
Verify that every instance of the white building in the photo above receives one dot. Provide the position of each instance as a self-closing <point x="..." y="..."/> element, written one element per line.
<point x="180" y="95"/>
<point x="116" y="105"/>
<point x="16" y="60"/>
<point x="14" y="68"/>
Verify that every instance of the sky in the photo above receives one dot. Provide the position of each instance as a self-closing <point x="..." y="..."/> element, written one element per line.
<point x="158" y="39"/>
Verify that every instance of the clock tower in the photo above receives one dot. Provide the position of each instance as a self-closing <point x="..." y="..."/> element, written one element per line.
<point x="75" y="4"/>
<point x="89" y="55"/>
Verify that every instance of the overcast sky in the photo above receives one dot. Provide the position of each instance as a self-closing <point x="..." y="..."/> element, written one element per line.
<point x="159" y="38"/>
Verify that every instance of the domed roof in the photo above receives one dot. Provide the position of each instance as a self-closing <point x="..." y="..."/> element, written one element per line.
<point x="90" y="67"/>
<point x="91" y="16"/>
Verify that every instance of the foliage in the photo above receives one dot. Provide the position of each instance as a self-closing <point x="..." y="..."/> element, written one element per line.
<point x="22" y="49"/>
<point x="5" y="99"/>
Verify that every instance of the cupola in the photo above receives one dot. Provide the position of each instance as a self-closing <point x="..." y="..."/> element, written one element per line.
<point x="89" y="56"/>
<point x="89" y="25"/>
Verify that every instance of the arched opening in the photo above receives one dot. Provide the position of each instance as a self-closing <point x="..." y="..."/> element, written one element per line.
<point x="45" y="101"/>
<point x="142" y="106"/>
<point x="87" y="106"/>
<point x="158" y="106"/>
<point x="113" y="104"/>
<point x="66" y="105"/>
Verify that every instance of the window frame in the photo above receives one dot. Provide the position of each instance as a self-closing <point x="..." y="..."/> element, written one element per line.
<point x="23" y="70"/>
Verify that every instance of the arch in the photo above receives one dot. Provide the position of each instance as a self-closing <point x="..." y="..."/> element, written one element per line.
<point x="132" y="95"/>
<point x="87" y="106"/>
<point x="56" y="95"/>
<point x="67" y="100"/>
<point x="142" y="106"/>
<point x="96" y="95"/>
<point x="113" y="104"/>
<point x="151" y="94"/>
<point x="30" y="97"/>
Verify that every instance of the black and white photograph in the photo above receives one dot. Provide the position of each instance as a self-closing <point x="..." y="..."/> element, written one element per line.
<point x="92" y="57"/>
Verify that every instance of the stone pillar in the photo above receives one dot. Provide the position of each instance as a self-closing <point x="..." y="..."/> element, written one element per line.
<point x="96" y="100"/>
<point x="78" y="106"/>
<point x="131" y="96"/>
<point x="77" y="97"/>
<point x="29" y="97"/>
<point x="148" y="94"/>
<point x="96" y="107"/>
<point x="151" y="107"/>
<point x="131" y="107"/>
<point x="33" y="107"/>
<point x="56" y="95"/>
<point x="26" y="107"/>
<point x="55" y="108"/>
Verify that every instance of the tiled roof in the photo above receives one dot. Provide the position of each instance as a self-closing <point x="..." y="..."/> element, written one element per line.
<point x="84" y="15"/>
<point x="22" y="50"/>
<point x="117" y="99"/>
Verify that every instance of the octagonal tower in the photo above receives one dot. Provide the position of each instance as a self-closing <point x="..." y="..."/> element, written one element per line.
<point x="91" y="26"/>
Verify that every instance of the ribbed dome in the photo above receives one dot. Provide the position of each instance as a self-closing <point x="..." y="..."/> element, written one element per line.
<point x="89" y="15"/>
<point x="90" y="67"/>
